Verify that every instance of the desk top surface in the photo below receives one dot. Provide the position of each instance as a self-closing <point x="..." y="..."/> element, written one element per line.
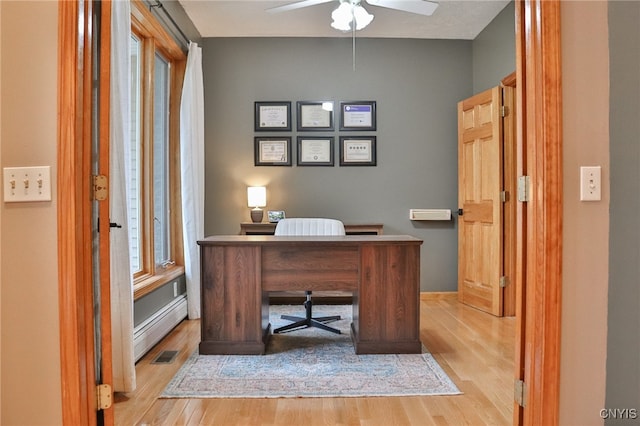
<point x="305" y="240"/>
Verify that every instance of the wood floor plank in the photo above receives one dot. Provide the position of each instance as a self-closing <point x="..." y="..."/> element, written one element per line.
<point x="475" y="349"/>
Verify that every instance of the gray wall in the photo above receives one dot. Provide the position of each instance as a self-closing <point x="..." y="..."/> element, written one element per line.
<point x="623" y="346"/>
<point x="416" y="84"/>
<point x="494" y="51"/>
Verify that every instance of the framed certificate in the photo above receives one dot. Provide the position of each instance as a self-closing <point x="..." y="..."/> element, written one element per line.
<point x="358" y="115"/>
<point x="315" y="151"/>
<point x="272" y="116"/>
<point x="272" y="151"/>
<point x="358" y="151"/>
<point x="315" y="116"/>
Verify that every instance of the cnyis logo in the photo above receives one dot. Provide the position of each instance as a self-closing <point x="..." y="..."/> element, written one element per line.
<point x="619" y="413"/>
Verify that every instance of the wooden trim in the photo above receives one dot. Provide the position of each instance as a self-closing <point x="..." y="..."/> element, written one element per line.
<point x="74" y="233"/>
<point x="509" y="182"/>
<point x="438" y="295"/>
<point x="521" y="223"/>
<point x="142" y="16"/>
<point x="539" y="62"/>
<point x="153" y="282"/>
<point x="104" y="90"/>
<point x="177" y="80"/>
<point x="510" y="80"/>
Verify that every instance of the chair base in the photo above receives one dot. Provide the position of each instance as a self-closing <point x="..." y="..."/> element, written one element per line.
<point x="308" y="320"/>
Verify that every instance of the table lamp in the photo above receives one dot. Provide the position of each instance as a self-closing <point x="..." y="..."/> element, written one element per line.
<point x="256" y="198"/>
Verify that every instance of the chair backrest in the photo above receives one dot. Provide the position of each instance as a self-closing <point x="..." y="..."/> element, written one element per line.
<point x="309" y="226"/>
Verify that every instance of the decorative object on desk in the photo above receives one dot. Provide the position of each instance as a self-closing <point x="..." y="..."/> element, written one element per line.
<point x="315" y="115"/>
<point x="272" y="151"/>
<point x="315" y="151"/>
<point x="358" y="115"/>
<point x="256" y="198"/>
<point x="272" y="116"/>
<point x="358" y="151"/>
<point x="293" y="358"/>
<point x="275" y="216"/>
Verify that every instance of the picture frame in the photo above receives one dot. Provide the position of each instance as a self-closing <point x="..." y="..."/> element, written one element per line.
<point x="275" y="216"/>
<point x="358" y="115"/>
<point x="272" y="116"/>
<point x="315" y="151"/>
<point x="272" y="151"/>
<point x="314" y="115"/>
<point x="358" y="151"/>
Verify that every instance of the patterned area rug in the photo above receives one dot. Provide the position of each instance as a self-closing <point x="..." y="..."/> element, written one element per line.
<point x="309" y="363"/>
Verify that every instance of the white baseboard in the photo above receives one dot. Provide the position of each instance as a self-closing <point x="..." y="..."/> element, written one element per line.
<point x="151" y="331"/>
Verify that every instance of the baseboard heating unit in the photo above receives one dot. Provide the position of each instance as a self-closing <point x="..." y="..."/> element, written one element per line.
<point x="152" y="330"/>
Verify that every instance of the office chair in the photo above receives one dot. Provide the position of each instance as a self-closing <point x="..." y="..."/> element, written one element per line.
<point x="309" y="227"/>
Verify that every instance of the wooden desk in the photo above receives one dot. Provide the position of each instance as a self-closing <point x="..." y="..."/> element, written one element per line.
<point x="238" y="271"/>
<point x="268" y="228"/>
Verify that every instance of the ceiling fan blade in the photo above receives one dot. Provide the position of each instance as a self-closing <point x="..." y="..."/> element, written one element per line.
<point x="421" y="7"/>
<point x="296" y="5"/>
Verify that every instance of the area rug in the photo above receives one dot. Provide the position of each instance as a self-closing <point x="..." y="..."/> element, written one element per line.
<point x="309" y="363"/>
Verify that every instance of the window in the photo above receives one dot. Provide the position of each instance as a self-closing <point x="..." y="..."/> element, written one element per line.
<point x="157" y="69"/>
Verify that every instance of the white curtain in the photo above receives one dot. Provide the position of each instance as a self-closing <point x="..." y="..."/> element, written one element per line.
<point x="124" y="373"/>
<point x="192" y="173"/>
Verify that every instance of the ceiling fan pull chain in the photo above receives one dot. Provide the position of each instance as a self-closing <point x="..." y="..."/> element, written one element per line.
<point x="353" y="45"/>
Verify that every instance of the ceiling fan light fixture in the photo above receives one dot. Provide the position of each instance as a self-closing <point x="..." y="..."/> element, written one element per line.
<point x="342" y="17"/>
<point x="362" y="17"/>
<point x="349" y="14"/>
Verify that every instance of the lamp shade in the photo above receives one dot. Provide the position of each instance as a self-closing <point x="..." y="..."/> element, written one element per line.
<point x="257" y="196"/>
<point x="350" y="14"/>
<point x="361" y="16"/>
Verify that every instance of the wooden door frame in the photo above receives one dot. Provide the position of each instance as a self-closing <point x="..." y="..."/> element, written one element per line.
<point x="539" y="241"/>
<point x="539" y="93"/>
<point x="75" y="251"/>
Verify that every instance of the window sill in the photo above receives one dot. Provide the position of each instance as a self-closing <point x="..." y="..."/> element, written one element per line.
<point x="147" y="284"/>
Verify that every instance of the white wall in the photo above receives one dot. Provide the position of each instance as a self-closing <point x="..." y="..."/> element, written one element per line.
<point x="31" y="387"/>
<point x="585" y="83"/>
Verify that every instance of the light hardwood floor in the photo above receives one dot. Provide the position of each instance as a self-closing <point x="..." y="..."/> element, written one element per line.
<point x="474" y="348"/>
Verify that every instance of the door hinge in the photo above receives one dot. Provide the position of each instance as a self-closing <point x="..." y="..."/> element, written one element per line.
<point x="523" y="189"/>
<point x="504" y="281"/>
<point x="104" y="396"/>
<point x="504" y="111"/>
<point x="100" y="187"/>
<point x="504" y="196"/>
<point x="520" y="393"/>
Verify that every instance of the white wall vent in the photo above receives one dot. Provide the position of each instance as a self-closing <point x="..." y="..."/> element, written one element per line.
<point x="430" y="214"/>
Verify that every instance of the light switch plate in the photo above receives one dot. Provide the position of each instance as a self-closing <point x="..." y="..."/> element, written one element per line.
<point x="22" y="184"/>
<point x="590" y="183"/>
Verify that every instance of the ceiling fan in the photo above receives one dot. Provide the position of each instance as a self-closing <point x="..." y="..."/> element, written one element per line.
<point x="350" y="15"/>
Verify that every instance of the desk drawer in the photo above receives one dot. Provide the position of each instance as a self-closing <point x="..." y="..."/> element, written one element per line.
<point x="310" y="268"/>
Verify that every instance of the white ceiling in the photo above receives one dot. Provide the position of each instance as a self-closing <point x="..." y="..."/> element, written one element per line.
<point x="453" y="19"/>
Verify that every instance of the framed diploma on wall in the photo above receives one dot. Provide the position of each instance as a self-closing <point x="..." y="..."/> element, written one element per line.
<point x="315" y="151"/>
<point x="315" y="115"/>
<point x="272" y="151"/>
<point x="272" y="116"/>
<point x="358" y="151"/>
<point x="358" y="115"/>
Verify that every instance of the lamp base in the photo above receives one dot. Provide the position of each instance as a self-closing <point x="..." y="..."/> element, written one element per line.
<point x="256" y="215"/>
